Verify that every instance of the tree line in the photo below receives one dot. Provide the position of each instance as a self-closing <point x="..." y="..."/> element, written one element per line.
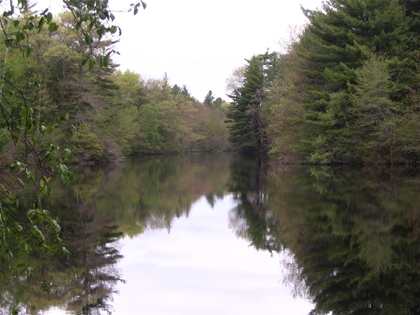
<point x="100" y="113"/>
<point x="345" y="90"/>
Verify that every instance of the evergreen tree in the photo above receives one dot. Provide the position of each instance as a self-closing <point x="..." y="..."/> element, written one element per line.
<point x="247" y="128"/>
<point x="375" y="113"/>
<point x="208" y="100"/>
<point x="336" y="42"/>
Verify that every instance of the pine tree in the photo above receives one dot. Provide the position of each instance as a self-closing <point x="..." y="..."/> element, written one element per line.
<point x="247" y="128"/>
<point x="375" y="113"/>
<point x="336" y="43"/>
<point x="208" y="100"/>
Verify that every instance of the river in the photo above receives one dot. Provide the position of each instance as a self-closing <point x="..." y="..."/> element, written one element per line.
<point x="220" y="234"/>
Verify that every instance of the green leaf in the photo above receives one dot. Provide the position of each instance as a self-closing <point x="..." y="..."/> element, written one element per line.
<point x="46" y="191"/>
<point x="88" y="38"/>
<point x="49" y="128"/>
<point x="29" y="126"/>
<point x="53" y="27"/>
<point x="57" y="226"/>
<point x="100" y="31"/>
<point x="23" y="4"/>
<point x="41" y="24"/>
<point x="90" y="26"/>
<point x="49" y="17"/>
<point x="63" y="168"/>
<point x="37" y="233"/>
<point x="24" y="112"/>
<point x="102" y="15"/>
<point x="30" y="25"/>
<point x="29" y="50"/>
<point x="68" y="152"/>
<point x="92" y="63"/>
<point x="20" y="35"/>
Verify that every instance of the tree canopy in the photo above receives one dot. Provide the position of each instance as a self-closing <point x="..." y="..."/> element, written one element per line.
<point x="346" y="89"/>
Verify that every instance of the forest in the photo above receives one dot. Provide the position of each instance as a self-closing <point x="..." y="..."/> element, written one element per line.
<point x="101" y="114"/>
<point x="344" y="90"/>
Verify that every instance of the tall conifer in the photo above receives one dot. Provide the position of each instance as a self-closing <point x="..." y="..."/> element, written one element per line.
<point x="247" y="128"/>
<point x="339" y="38"/>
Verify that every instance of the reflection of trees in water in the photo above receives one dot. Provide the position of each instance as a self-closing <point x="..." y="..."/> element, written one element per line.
<point x="93" y="244"/>
<point x="82" y="283"/>
<point x="350" y="238"/>
<point x="251" y="218"/>
<point x="135" y="195"/>
<point x="151" y="192"/>
<point x="352" y="234"/>
<point x="238" y="224"/>
<point x="292" y="272"/>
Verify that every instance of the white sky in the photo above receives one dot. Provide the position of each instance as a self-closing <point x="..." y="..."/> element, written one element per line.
<point x="199" y="43"/>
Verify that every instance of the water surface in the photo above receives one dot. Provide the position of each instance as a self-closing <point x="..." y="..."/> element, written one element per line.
<point x="219" y="234"/>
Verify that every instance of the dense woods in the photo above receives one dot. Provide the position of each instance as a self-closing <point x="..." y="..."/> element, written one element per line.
<point x="345" y="91"/>
<point x="101" y="114"/>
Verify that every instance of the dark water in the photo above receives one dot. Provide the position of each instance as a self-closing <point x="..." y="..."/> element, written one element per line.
<point x="218" y="234"/>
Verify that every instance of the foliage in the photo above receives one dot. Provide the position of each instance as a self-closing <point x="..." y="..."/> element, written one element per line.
<point x="86" y="145"/>
<point x="246" y="125"/>
<point x="353" y="236"/>
<point x="251" y="217"/>
<point x="345" y="90"/>
<point x="34" y="58"/>
<point x="376" y="115"/>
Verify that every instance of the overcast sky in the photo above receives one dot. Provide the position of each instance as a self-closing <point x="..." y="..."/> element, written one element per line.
<point x="199" y="43"/>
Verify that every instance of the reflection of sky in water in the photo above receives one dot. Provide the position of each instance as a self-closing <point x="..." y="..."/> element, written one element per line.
<point x="201" y="267"/>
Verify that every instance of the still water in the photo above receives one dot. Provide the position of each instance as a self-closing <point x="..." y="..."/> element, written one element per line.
<point x="219" y="234"/>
